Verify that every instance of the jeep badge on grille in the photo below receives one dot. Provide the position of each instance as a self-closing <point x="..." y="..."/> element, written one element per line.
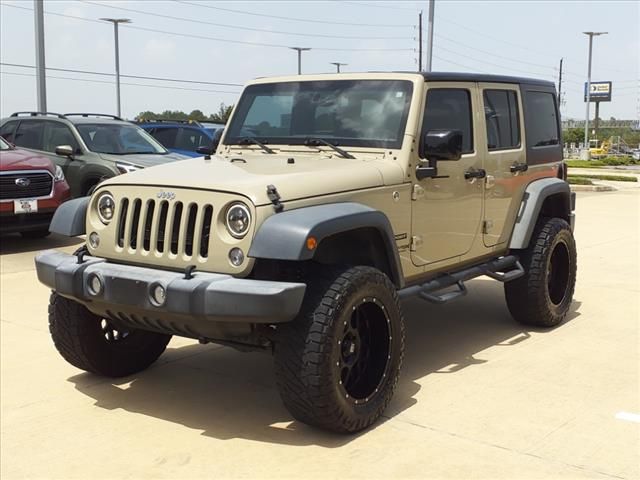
<point x="165" y="195"/>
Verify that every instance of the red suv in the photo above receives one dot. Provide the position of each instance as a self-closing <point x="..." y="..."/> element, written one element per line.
<point x="31" y="188"/>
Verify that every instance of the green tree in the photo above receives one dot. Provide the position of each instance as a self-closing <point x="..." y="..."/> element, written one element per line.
<point x="223" y="114"/>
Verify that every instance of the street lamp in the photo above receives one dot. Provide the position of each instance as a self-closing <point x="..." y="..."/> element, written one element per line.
<point x="338" y="64"/>
<point x="116" y="22"/>
<point x="300" y="50"/>
<point x="586" y="154"/>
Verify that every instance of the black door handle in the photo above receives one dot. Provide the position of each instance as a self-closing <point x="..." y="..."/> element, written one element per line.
<point x="518" y="167"/>
<point x="475" y="173"/>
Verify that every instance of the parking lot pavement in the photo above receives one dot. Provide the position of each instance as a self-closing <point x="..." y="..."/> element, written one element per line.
<point x="480" y="396"/>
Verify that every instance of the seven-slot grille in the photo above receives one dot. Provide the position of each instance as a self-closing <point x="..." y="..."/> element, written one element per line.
<point x="164" y="227"/>
<point x="15" y="185"/>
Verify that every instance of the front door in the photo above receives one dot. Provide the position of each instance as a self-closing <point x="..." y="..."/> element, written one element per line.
<point x="447" y="210"/>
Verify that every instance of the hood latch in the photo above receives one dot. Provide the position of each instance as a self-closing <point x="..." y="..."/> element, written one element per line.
<point x="274" y="196"/>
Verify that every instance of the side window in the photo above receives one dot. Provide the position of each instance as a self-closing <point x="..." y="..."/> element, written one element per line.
<point x="450" y="109"/>
<point x="190" y="139"/>
<point x="58" y="134"/>
<point x="542" y="126"/>
<point x="166" y="136"/>
<point x="501" y="114"/>
<point x="8" y="130"/>
<point x="30" y="134"/>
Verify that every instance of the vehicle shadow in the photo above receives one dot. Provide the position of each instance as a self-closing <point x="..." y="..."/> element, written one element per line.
<point x="226" y="394"/>
<point x="15" y="243"/>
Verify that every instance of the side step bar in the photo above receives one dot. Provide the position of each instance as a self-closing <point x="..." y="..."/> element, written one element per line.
<point x="503" y="269"/>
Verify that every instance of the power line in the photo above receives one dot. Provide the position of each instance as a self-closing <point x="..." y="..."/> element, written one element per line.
<point x="223" y="40"/>
<point x="140" y="77"/>
<point x="128" y="84"/>
<point x="237" y="27"/>
<point x="373" y="5"/>
<point x="522" y="47"/>
<point x="307" y="20"/>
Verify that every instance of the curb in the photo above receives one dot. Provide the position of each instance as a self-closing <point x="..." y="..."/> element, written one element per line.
<point x="593" y="188"/>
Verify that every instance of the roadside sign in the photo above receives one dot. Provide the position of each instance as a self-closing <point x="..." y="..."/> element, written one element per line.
<point x="600" y="91"/>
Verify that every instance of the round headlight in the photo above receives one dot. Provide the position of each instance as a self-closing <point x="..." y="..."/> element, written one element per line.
<point x="106" y="207"/>
<point x="238" y="220"/>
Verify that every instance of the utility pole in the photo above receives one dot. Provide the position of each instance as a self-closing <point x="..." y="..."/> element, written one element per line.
<point x="586" y="155"/>
<point x="41" y="79"/>
<point x="300" y="50"/>
<point x="432" y="7"/>
<point x="560" y="86"/>
<point x="338" y="64"/>
<point x="420" y="41"/>
<point x="116" y="22"/>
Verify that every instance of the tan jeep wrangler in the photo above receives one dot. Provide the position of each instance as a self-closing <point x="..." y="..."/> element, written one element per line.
<point x="328" y="199"/>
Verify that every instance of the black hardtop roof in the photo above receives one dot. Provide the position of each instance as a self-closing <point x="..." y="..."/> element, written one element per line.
<point x="482" y="77"/>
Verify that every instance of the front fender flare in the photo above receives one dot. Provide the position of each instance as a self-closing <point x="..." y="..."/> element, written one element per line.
<point x="283" y="236"/>
<point x="70" y="218"/>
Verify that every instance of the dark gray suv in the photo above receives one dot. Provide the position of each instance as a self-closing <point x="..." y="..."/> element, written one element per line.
<point x="88" y="147"/>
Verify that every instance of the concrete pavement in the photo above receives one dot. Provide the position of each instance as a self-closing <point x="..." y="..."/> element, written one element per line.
<point x="480" y="396"/>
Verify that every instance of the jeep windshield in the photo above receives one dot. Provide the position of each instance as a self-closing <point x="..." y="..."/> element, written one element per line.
<point x="351" y="113"/>
<point x="118" y="139"/>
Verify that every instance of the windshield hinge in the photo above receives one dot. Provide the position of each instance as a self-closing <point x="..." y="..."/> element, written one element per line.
<point x="416" y="243"/>
<point x="418" y="192"/>
<point x="274" y="196"/>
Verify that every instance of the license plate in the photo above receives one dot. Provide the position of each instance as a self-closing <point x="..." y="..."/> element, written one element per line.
<point x="25" y="206"/>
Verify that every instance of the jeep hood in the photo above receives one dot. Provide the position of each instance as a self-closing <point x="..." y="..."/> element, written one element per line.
<point x="144" y="160"/>
<point x="307" y="176"/>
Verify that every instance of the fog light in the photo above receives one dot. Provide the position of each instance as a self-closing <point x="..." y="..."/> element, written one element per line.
<point x="94" y="240"/>
<point x="236" y="257"/>
<point x="158" y="295"/>
<point x="94" y="285"/>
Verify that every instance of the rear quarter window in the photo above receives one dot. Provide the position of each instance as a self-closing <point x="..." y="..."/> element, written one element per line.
<point x="543" y="127"/>
<point x="542" y="124"/>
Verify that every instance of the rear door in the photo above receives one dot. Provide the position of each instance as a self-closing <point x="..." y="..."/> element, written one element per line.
<point x="505" y="157"/>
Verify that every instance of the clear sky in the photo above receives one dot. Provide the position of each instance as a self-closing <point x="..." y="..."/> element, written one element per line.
<point x="182" y="40"/>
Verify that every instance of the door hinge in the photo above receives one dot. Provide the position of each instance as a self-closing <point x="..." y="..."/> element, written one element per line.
<point x="417" y="192"/>
<point x="487" y="225"/>
<point x="416" y="243"/>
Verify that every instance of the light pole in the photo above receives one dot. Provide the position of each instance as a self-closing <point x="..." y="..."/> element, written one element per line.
<point x="586" y="155"/>
<point x="300" y="50"/>
<point x="41" y="79"/>
<point x="432" y="7"/>
<point x="116" y="22"/>
<point x="338" y="64"/>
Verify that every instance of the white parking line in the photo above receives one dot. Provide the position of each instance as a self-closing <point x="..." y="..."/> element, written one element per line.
<point x="629" y="417"/>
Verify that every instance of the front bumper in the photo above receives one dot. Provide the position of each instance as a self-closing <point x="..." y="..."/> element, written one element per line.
<point x="191" y="306"/>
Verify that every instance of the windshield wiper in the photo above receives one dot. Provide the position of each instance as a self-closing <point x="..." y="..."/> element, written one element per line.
<point x="314" y="142"/>
<point x="249" y="140"/>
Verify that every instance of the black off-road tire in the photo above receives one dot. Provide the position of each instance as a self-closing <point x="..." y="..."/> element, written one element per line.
<point x="543" y="296"/>
<point x="82" y="340"/>
<point x="33" y="234"/>
<point x="352" y="315"/>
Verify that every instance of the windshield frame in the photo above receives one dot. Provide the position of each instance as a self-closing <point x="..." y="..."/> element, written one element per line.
<point x="5" y="146"/>
<point x="295" y="86"/>
<point x="157" y="146"/>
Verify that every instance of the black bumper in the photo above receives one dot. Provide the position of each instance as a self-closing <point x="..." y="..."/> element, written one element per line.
<point x="12" y="223"/>
<point x="191" y="307"/>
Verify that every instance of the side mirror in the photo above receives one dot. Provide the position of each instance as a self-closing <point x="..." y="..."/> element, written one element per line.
<point x="204" y="150"/>
<point x="65" y="151"/>
<point x="438" y="145"/>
